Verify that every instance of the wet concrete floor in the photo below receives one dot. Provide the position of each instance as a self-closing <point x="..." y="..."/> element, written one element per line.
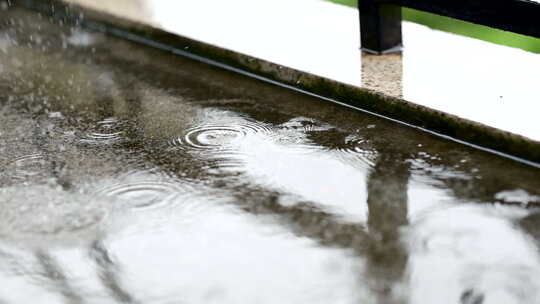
<point x="129" y="175"/>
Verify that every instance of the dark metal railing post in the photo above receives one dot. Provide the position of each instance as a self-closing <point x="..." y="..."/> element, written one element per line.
<point x="380" y="26"/>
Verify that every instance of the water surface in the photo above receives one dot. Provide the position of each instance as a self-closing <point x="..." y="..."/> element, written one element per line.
<point x="129" y="175"/>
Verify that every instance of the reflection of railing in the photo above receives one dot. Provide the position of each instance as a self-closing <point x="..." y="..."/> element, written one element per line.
<point x="380" y="20"/>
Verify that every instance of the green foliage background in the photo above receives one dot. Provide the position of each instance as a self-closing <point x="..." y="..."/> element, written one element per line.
<point x="465" y="28"/>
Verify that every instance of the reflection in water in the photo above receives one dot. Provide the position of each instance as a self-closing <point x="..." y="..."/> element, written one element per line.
<point x="108" y="273"/>
<point x="204" y="251"/>
<point x="472" y="254"/>
<point x="197" y="186"/>
<point x="53" y="272"/>
<point x="287" y="161"/>
<point x="387" y="203"/>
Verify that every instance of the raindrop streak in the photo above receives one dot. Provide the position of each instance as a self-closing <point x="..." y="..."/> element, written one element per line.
<point x="108" y="131"/>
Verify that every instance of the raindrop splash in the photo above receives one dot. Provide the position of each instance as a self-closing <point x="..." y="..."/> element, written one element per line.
<point x="355" y="148"/>
<point x="304" y="124"/>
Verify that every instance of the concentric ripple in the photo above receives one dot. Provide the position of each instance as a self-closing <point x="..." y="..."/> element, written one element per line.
<point x="354" y="148"/>
<point x="217" y="137"/>
<point x="25" y="160"/>
<point x="27" y="165"/>
<point x="108" y="131"/>
<point x="145" y="194"/>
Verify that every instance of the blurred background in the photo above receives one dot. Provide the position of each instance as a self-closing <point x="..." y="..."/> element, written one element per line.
<point x="465" y="28"/>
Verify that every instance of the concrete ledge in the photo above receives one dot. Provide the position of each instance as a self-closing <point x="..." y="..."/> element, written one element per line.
<point x="381" y="92"/>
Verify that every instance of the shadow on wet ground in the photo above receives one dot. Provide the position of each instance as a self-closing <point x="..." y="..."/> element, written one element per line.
<point x="133" y="176"/>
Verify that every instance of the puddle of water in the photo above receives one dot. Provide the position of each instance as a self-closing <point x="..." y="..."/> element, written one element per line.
<point x="132" y="176"/>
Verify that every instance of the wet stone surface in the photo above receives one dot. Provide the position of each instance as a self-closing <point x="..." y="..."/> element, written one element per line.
<point x="129" y="175"/>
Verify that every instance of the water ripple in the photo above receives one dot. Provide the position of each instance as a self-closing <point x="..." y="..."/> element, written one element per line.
<point x="108" y="131"/>
<point x="145" y="194"/>
<point x="27" y="165"/>
<point x="356" y="148"/>
<point x="216" y="137"/>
